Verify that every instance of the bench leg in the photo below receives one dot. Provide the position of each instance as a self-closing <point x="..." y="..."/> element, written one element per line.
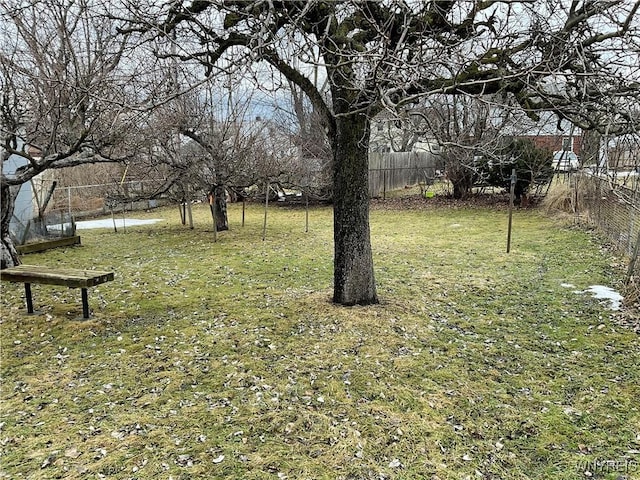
<point x="27" y="294"/>
<point x="85" y="303"/>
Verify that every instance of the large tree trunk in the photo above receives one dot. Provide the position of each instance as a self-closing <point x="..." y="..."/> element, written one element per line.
<point x="7" y="202"/>
<point x="218" y="200"/>
<point x="459" y="174"/>
<point x="354" y="281"/>
<point x="460" y="189"/>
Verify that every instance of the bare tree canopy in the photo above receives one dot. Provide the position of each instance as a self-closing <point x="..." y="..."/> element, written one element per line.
<point x="561" y="56"/>
<point x="63" y="87"/>
<point x="59" y="84"/>
<point x="578" y="59"/>
<point x="73" y="91"/>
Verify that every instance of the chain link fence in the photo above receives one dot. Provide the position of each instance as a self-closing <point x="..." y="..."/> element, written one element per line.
<point x="612" y="204"/>
<point x="100" y="199"/>
<point x="48" y="211"/>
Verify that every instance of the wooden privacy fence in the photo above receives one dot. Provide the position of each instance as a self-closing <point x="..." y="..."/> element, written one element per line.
<point x="392" y="171"/>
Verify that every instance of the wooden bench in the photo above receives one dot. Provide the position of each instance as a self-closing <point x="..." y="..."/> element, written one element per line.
<point x="48" y="244"/>
<point x="68" y="277"/>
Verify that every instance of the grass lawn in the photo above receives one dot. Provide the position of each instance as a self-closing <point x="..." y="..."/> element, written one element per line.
<point x="228" y="360"/>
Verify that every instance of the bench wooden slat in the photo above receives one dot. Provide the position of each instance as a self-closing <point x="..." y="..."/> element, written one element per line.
<point x="48" y="244"/>
<point x="70" y="277"/>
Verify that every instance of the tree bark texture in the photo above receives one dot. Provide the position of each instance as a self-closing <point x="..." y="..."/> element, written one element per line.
<point x="590" y="148"/>
<point x="219" y="195"/>
<point x="9" y="255"/>
<point x="354" y="282"/>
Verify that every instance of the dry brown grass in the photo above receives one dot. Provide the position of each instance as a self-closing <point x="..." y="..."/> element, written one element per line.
<point x="560" y="198"/>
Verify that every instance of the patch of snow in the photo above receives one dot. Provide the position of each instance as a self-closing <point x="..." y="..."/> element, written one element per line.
<point x="108" y="223"/>
<point x="455" y="225"/>
<point x="606" y="293"/>
<point x="567" y="285"/>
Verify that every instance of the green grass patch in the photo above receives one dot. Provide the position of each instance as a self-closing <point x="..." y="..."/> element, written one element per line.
<point x="227" y="360"/>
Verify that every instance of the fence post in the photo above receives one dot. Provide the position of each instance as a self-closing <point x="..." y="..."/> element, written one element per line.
<point x="576" y="199"/>
<point x="113" y="218"/>
<point x="266" y="207"/>
<point x="188" y="204"/>
<point x="68" y="200"/>
<point x="384" y="184"/>
<point x="632" y="261"/>
<point x="511" y="195"/>
<point x="632" y="227"/>
<point x="306" y="207"/>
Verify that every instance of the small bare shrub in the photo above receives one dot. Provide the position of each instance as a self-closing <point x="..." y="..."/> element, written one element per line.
<point x="559" y="198"/>
<point x="573" y="194"/>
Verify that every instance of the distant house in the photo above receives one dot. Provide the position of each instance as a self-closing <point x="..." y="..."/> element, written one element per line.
<point x="390" y="134"/>
<point x="561" y="141"/>
<point x="550" y="134"/>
